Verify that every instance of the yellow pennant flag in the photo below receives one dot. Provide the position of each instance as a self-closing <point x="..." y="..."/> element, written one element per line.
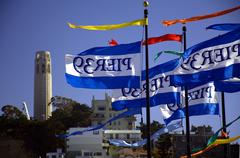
<point x="225" y="141"/>
<point x="201" y="17"/>
<point x="214" y="144"/>
<point x="139" y="22"/>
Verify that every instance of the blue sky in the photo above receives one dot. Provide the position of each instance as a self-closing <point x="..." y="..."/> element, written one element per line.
<point x="28" y="26"/>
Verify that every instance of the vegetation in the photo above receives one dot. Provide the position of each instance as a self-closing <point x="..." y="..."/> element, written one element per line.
<point x="39" y="137"/>
<point x="162" y="146"/>
<point x="155" y="125"/>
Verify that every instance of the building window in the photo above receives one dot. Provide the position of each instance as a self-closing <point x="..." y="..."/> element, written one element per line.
<point x="88" y="154"/>
<point x="99" y="115"/>
<point x="111" y="136"/>
<point x="96" y="132"/>
<point x="119" y="123"/>
<point x="128" y="136"/>
<point x="37" y="68"/>
<point x="97" y="154"/>
<point x="101" y="108"/>
<point x="117" y="136"/>
<point x="130" y="123"/>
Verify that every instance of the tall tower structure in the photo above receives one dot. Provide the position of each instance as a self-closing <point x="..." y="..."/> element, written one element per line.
<point x="42" y="86"/>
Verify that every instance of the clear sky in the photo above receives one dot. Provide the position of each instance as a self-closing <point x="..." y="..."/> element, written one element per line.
<point x="28" y="26"/>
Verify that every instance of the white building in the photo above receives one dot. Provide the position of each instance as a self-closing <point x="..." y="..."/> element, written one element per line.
<point x="89" y="144"/>
<point x="95" y="143"/>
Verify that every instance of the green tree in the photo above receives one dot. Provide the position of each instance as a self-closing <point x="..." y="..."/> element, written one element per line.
<point x="40" y="136"/>
<point x="12" y="112"/>
<point x="72" y="115"/>
<point x="162" y="146"/>
<point x="155" y="125"/>
<point x="12" y="122"/>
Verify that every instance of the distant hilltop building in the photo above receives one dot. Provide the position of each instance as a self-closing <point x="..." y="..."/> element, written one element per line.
<point x="102" y="112"/>
<point x="42" y="86"/>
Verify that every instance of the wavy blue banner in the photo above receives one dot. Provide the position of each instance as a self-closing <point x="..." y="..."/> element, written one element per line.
<point x="224" y="27"/>
<point x="127" y="113"/>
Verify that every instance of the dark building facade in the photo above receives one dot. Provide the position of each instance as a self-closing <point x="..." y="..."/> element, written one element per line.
<point x="199" y="137"/>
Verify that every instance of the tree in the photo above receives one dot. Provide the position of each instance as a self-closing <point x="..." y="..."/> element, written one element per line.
<point x="155" y="125"/>
<point x="39" y="137"/>
<point x="162" y="146"/>
<point x="72" y="115"/>
<point x="12" y="112"/>
<point x="12" y="122"/>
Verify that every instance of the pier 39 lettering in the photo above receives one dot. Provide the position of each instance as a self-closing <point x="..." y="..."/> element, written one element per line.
<point x="217" y="55"/>
<point x="91" y="65"/>
<point x="201" y="92"/>
<point x="156" y="84"/>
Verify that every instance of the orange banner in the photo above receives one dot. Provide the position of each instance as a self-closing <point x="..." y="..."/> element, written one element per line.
<point x="196" y="18"/>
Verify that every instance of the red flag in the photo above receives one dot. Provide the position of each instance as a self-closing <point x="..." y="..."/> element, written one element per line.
<point x="224" y="134"/>
<point x="167" y="37"/>
<point x="112" y="42"/>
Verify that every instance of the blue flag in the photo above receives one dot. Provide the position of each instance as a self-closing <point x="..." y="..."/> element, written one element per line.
<point x="161" y="92"/>
<point x="156" y="135"/>
<point x="229" y="86"/>
<point x="127" y="113"/>
<point x="109" y="67"/>
<point x="202" y="101"/>
<point x="224" y="27"/>
<point x="215" y="59"/>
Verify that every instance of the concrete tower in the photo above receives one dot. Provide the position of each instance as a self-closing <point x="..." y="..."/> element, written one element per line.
<point x="42" y="86"/>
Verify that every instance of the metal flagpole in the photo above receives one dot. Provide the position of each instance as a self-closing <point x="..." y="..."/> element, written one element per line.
<point x="224" y="123"/>
<point x="147" y="83"/>
<point x="184" y="29"/>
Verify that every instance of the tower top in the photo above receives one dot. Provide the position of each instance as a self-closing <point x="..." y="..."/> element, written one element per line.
<point x="43" y="52"/>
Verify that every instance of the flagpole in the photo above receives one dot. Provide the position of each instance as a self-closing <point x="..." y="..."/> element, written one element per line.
<point x="224" y="123"/>
<point x="184" y="29"/>
<point x="147" y="84"/>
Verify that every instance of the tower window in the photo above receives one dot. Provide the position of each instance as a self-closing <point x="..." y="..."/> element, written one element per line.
<point x="43" y="68"/>
<point x="37" y="68"/>
<point x="101" y="108"/>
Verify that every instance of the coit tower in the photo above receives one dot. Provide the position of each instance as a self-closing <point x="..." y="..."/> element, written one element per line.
<point x="42" y="86"/>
